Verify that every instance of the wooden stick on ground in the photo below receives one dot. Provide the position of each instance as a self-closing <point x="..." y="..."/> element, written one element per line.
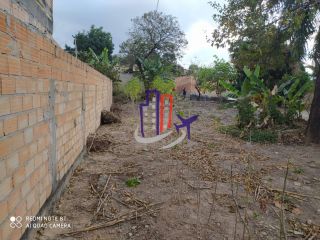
<point x="292" y="193"/>
<point x="283" y="231"/>
<point x="237" y="206"/>
<point x="101" y="200"/>
<point x="94" y="136"/>
<point x="122" y="218"/>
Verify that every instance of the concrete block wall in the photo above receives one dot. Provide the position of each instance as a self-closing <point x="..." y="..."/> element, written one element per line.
<point x="49" y="103"/>
<point x="36" y="13"/>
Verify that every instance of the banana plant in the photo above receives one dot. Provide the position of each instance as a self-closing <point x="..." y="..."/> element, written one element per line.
<point x="292" y="97"/>
<point x="251" y="86"/>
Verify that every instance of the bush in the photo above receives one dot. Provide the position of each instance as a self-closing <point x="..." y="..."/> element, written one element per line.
<point x="254" y="135"/>
<point x="163" y="85"/>
<point x="133" y="89"/>
<point x="118" y="93"/>
<point x="262" y="136"/>
<point x="246" y="113"/>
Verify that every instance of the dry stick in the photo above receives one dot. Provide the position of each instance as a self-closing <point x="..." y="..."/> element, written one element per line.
<point x="237" y="209"/>
<point x="247" y="207"/>
<point x="212" y="209"/>
<point x="100" y="202"/>
<point x="198" y="212"/>
<point x="236" y="212"/>
<point x="94" y="136"/>
<point x="119" y="219"/>
<point x="282" y="223"/>
<point x="119" y="201"/>
<point x="292" y="193"/>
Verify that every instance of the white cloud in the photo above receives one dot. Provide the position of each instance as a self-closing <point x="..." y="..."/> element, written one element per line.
<point x="199" y="50"/>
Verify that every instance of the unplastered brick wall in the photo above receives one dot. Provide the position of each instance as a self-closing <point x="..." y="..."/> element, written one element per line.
<point x="187" y="82"/>
<point x="36" y="13"/>
<point x="49" y="103"/>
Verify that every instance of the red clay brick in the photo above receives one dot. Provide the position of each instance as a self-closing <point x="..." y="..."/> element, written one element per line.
<point x="21" y="33"/>
<point x="4" y="147"/>
<point x="4" y="105"/>
<point x="5" y="43"/>
<point x="36" y="101"/>
<point x="32" y="118"/>
<point x="1" y="129"/>
<point x="29" y="68"/>
<point x="16" y="103"/>
<point x="44" y="71"/>
<point x="3" y="22"/>
<point x="16" y="141"/>
<point x="10" y="125"/>
<point x="24" y="155"/>
<point x="34" y="54"/>
<point x="8" y="84"/>
<point x="21" y="85"/>
<point x="19" y="176"/>
<point x="3" y="210"/>
<point x="23" y="121"/>
<point x="41" y="130"/>
<point x="31" y="198"/>
<point x="35" y="177"/>
<point x="5" y="188"/>
<point x="14" y="65"/>
<point x="4" y="68"/>
<point x="13" y="199"/>
<point x="27" y="102"/>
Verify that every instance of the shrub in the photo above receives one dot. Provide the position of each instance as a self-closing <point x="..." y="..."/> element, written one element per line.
<point x="261" y="136"/>
<point x="246" y="113"/>
<point x="254" y="135"/>
<point x="133" y="89"/>
<point x="163" y="85"/>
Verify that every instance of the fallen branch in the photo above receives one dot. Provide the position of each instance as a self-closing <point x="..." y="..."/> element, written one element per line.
<point x="237" y="205"/>
<point x="292" y="193"/>
<point x="101" y="199"/>
<point x="94" y="136"/>
<point x="122" y="218"/>
<point x="283" y="231"/>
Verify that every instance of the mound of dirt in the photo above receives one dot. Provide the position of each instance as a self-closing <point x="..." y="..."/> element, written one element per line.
<point x="98" y="143"/>
<point x="109" y="117"/>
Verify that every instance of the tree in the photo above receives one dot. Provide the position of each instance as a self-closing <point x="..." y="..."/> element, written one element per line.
<point x="102" y="64"/>
<point x="163" y="85"/>
<point x="208" y="78"/>
<point x="96" y="39"/>
<point x="313" y="129"/>
<point x="154" y="36"/>
<point x="133" y="88"/>
<point x="254" y="38"/>
<point x="290" y="23"/>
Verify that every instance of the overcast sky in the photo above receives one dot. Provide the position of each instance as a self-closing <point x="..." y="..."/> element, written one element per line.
<point x="194" y="16"/>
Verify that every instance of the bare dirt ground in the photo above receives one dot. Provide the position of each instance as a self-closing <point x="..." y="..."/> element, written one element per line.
<point x="213" y="187"/>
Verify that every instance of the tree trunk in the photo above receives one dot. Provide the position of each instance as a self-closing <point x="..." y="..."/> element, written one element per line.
<point x="199" y="92"/>
<point x="313" y="129"/>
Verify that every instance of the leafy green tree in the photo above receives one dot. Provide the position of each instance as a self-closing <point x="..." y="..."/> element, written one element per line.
<point x="96" y="39"/>
<point x="208" y="78"/>
<point x="281" y="26"/>
<point x="153" y="37"/>
<point x="102" y="64"/>
<point x="163" y="85"/>
<point x="253" y="38"/>
<point x="133" y="89"/>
